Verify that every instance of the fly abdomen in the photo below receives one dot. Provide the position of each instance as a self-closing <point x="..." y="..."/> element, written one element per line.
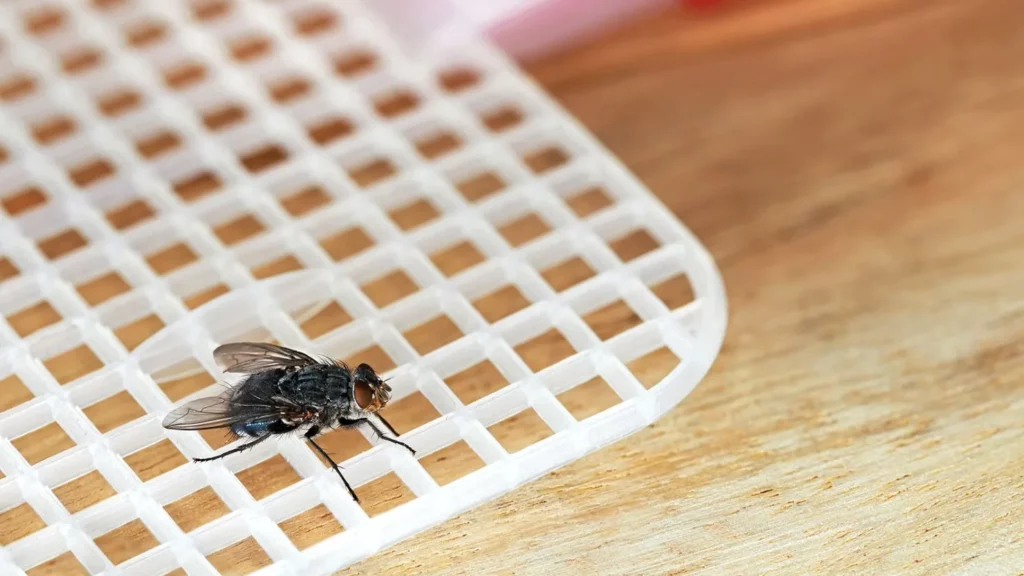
<point x="252" y="429"/>
<point x="257" y="428"/>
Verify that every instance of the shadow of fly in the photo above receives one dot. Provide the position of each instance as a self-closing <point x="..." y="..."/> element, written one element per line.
<point x="285" y="391"/>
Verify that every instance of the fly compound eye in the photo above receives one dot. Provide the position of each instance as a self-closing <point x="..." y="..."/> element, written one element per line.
<point x="365" y="397"/>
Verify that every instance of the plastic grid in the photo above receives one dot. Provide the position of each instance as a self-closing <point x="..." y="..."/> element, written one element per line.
<point x="165" y="167"/>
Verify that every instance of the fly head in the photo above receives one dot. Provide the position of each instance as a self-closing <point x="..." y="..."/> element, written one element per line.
<point x="371" y="393"/>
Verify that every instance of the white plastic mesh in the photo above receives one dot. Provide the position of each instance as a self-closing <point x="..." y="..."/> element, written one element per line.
<point x="445" y="221"/>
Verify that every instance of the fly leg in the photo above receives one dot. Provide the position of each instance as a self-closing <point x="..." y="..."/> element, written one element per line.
<point x="310" y="434"/>
<point x="233" y="450"/>
<point x="378" y="431"/>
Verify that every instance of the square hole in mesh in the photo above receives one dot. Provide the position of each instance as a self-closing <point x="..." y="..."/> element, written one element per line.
<point x="305" y="200"/>
<point x="263" y="157"/>
<point x="451" y="463"/>
<point x="502" y="118"/>
<point x="81" y="59"/>
<point x="33" y="318"/>
<point x="208" y="10"/>
<point x="545" y="350"/>
<point x="524" y="229"/>
<point x="129" y="213"/>
<point x="184" y="74"/>
<point x="567" y="273"/>
<point x="341" y="444"/>
<point x="390" y="288"/>
<point x="117" y="410"/>
<point x="327" y="130"/>
<point x="99" y="289"/>
<point x="196" y="185"/>
<point x="456" y="258"/>
<point x="289" y="88"/>
<point x="477" y="381"/>
<point x="198" y="298"/>
<point x="18" y="522"/>
<point x="53" y="129"/>
<point x="413" y="214"/>
<point x="91" y="171"/>
<point x="13" y="392"/>
<point x="145" y="33"/>
<point x="504" y="301"/>
<point x="410" y="412"/>
<point x="186" y="378"/>
<point x="675" y="292"/>
<point x="612" y="319"/>
<point x="633" y="244"/>
<point x="134" y="332"/>
<point x="277" y="266"/>
<point x="588" y="201"/>
<point x="324" y="319"/>
<point x="65" y="564"/>
<point x="354" y="62"/>
<point x="480" y="184"/>
<point x="433" y="334"/>
<point x="371" y="172"/>
<point x="8" y="269"/>
<point x="310" y="527"/>
<point x="520" y="431"/>
<point x="396" y="102"/>
<point x="269" y="476"/>
<point x="62" y="243"/>
<point x="346" y="243"/>
<point x="155" y="460"/>
<point x="437" y="143"/>
<point x="238" y="229"/>
<point x="458" y="79"/>
<point x="16" y="86"/>
<point x="314" y="21"/>
<point x="196" y="509"/>
<point x="240" y="558"/>
<point x="69" y="366"/>
<point x="383" y="494"/>
<point x="589" y="398"/>
<point x="373" y="355"/>
<point x="24" y="200"/>
<point x="546" y="159"/>
<point x="126" y="542"/>
<point x="249" y="47"/>
<point x="43" y="443"/>
<point x="167" y="259"/>
<point x="223" y="116"/>
<point x="157" y="143"/>
<point x="118" y="101"/>
<point x="652" y="367"/>
<point x="218" y="438"/>
<point x="85" y="491"/>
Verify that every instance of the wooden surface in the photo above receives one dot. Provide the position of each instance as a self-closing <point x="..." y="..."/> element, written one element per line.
<point x="856" y="170"/>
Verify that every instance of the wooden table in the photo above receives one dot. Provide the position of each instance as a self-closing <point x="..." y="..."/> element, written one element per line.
<point x="857" y="171"/>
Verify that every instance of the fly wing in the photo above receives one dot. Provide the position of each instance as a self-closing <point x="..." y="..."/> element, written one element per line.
<point x="201" y="414"/>
<point x="222" y="411"/>
<point x="250" y="357"/>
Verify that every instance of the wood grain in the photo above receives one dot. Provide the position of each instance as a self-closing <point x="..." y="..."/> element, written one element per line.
<point x="855" y="169"/>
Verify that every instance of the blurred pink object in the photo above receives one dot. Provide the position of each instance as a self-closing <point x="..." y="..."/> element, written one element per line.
<point x="525" y="29"/>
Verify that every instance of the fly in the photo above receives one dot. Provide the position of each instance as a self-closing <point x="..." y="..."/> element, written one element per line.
<point x="286" y="391"/>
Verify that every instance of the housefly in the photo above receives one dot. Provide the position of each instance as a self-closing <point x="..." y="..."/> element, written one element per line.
<point x="285" y="391"/>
